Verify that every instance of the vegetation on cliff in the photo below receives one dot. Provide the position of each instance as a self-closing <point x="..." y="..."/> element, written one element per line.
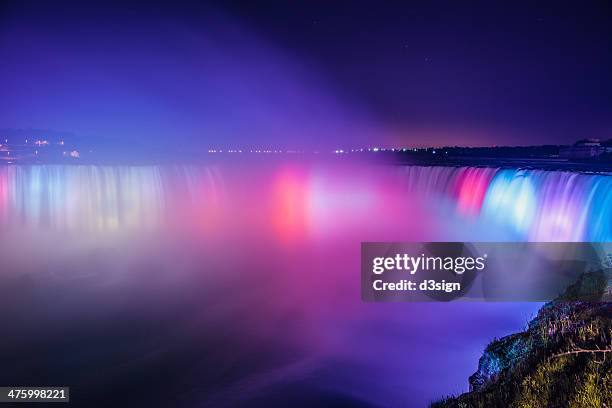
<point x="562" y="359"/>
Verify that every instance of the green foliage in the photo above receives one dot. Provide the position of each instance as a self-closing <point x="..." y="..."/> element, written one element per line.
<point x="537" y="388"/>
<point x="563" y="359"/>
<point x="577" y="381"/>
<point x="594" y="389"/>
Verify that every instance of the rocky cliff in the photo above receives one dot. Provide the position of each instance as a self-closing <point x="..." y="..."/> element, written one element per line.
<point x="562" y="359"/>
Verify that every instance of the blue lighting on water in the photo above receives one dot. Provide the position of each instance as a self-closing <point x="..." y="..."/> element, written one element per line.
<point x="520" y="204"/>
<point x="511" y="201"/>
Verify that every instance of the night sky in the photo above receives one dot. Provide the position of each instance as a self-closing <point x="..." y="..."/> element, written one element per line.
<point x="309" y="74"/>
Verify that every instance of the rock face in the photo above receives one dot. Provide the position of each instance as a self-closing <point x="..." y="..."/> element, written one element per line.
<point x="500" y="355"/>
<point x="562" y="359"/>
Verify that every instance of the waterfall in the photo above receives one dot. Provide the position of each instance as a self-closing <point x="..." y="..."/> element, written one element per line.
<point x="533" y="205"/>
<point x="536" y="205"/>
<point x="98" y="197"/>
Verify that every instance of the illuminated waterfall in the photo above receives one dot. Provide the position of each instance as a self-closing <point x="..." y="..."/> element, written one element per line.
<point x="99" y="198"/>
<point x="531" y="205"/>
<point x="552" y="205"/>
<point x="535" y="205"/>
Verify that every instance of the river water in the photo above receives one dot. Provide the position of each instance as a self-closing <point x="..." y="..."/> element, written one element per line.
<point x="237" y="284"/>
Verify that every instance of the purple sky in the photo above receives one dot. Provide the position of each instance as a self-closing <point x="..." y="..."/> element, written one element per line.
<point x="308" y="75"/>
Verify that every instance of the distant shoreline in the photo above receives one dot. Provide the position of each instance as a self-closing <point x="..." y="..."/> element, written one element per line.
<point x="547" y="164"/>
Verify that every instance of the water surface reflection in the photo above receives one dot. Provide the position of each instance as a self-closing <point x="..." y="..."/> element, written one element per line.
<point x="239" y="284"/>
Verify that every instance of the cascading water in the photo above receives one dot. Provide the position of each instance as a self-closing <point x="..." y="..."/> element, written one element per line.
<point x="532" y="205"/>
<point x="97" y="197"/>
<point x="264" y="259"/>
<point x="551" y="205"/>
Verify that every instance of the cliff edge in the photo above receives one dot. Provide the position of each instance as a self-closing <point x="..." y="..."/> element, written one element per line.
<point x="562" y="359"/>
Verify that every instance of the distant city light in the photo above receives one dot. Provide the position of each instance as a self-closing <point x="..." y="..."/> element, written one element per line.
<point x="399" y="149"/>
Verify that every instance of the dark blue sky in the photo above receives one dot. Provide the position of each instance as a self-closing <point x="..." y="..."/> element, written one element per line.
<point x="309" y="74"/>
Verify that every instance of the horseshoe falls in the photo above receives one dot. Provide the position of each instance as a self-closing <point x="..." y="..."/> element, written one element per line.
<point x="216" y="264"/>
<point x="524" y="204"/>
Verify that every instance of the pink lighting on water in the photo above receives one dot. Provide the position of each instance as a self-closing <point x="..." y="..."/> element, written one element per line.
<point x="267" y="257"/>
<point x="3" y="192"/>
<point x="303" y="200"/>
<point x="290" y="200"/>
<point x="472" y="185"/>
